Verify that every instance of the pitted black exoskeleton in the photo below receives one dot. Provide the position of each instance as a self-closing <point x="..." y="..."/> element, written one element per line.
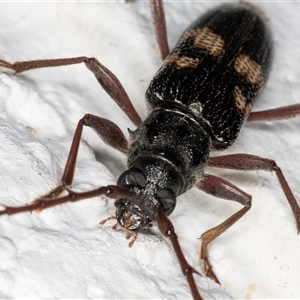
<point x="164" y="161"/>
<point x="198" y="100"/>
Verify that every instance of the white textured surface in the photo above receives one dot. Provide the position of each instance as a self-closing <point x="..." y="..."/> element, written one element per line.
<point x="63" y="252"/>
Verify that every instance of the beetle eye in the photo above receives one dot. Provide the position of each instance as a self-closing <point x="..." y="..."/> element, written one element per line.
<point x="132" y="178"/>
<point x="167" y="199"/>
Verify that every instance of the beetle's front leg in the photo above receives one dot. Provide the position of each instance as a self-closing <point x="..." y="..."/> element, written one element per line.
<point x="167" y="229"/>
<point x="220" y="188"/>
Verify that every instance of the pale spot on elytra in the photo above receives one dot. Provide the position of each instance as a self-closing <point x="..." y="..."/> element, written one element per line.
<point x="249" y="69"/>
<point x="182" y="61"/>
<point x="205" y="38"/>
<point x="240" y="101"/>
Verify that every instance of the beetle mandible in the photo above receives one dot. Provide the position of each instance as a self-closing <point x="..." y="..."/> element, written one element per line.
<point x="176" y="183"/>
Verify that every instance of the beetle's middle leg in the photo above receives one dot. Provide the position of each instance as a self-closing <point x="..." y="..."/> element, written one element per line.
<point x="112" y="135"/>
<point x="109" y="132"/>
<point x="248" y="162"/>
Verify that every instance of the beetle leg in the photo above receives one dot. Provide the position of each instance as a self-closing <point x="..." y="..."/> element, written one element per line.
<point x="110" y="191"/>
<point x="110" y="133"/>
<point x="248" y="162"/>
<point x="159" y="24"/>
<point x="105" y="77"/>
<point x="167" y="229"/>
<point x="220" y="188"/>
<point x="280" y="113"/>
<point x="224" y="189"/>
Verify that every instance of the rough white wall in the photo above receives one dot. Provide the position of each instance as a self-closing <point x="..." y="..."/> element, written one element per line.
<point x="63" y="252"/>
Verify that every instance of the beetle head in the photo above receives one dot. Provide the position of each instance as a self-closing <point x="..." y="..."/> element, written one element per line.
<point x="153" y="185"/>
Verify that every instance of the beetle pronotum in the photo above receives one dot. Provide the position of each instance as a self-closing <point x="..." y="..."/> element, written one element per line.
<point x="198" y="216"/>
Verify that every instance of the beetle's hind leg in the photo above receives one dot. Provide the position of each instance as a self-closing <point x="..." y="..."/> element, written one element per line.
<point x="159" y="24"/>
<point x="280" y="113"/>
<point x="104" y="76"/>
